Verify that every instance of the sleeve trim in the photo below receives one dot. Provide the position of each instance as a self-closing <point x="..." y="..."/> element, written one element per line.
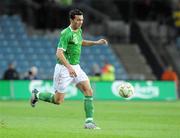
<point x="62" y="49"/>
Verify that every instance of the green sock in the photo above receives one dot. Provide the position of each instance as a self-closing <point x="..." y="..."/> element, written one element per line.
<point x="47" y="97"/>
<point x="89" y="108"/>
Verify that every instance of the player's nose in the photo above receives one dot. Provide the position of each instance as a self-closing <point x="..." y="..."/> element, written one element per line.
<point x="81" y="22"/>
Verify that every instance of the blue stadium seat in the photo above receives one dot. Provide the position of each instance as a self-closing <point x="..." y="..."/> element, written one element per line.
<point x="15" y="18"/>
<point x="21" y="57"/>
<point x="2" y="37"/>
<point x="10" y="36"/>
<point x="1" y="56"/>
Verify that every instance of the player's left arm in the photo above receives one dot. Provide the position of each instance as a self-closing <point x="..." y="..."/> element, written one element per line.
<point x="91" y="43"/>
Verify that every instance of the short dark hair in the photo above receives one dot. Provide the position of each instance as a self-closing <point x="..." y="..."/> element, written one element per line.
<point x="74" y="12"/>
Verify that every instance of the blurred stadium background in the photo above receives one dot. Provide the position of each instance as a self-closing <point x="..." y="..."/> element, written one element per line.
<point x="145" y="29"/>
<point x="143" y="35"/>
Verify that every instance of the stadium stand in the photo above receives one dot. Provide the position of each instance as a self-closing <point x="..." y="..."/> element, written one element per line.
<point x="35" y="50"/>
<point x="134" y="62"/>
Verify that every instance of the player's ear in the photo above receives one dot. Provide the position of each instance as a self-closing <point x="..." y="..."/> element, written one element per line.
<point x="71" y="20"/>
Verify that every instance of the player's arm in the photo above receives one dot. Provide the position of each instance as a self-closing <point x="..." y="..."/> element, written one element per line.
<point x="61" y="57"/>
<point x="91" y="43"/>
<point x="62" y="46"/>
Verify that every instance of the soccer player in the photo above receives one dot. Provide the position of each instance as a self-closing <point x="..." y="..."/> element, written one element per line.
<point x="68" y="70"/>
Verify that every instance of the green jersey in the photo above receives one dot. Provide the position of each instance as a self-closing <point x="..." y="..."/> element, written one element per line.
<point x="71" y="43"/>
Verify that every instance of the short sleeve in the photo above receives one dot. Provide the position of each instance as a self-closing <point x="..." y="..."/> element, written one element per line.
<point x="63" y="43"/>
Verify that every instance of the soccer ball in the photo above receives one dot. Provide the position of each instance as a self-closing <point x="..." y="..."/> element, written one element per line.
<point x="125" y="90"/>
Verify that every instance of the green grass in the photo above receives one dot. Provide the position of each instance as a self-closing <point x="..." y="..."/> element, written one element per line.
<point x="117" y="120"/>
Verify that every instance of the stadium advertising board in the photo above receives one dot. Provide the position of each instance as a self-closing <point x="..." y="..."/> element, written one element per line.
<point x="144" y="90"/>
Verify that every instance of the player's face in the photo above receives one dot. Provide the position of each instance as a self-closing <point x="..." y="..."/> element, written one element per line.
<point x="78" y="21"/>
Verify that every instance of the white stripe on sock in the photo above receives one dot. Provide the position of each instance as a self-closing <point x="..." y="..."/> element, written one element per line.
<point x="89" y="119"/>
<point x="38" y="95"/>
<point x="88" y="99"/>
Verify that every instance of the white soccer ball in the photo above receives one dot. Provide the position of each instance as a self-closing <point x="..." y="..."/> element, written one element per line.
<point x="126" y="90"/>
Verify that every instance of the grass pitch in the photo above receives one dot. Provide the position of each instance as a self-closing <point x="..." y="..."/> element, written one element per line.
<point x="117" y="119"/>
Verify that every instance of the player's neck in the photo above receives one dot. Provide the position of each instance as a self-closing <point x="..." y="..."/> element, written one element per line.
<point x="72" y="28"/>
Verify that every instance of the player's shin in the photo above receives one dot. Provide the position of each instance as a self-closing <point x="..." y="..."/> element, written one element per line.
<point x="89" y="108"/>
<point x="47" y="97"/>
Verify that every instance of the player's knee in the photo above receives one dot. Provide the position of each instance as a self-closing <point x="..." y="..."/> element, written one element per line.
<point x="58" y="102"/>
<point x="91" y="91"/>
<point x="88" y="92"/>
<point x="59" y="98"/>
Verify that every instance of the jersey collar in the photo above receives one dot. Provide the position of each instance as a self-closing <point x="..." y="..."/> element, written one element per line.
<point x="72" y="29"/>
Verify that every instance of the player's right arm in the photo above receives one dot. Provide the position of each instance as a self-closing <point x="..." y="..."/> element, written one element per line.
<point x="91" y="43"/>
<point x="60" y="55"/>
<point x="62" y="46"/>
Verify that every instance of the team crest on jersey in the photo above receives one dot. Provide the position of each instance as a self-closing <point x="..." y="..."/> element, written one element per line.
<point x="75" y="39"/>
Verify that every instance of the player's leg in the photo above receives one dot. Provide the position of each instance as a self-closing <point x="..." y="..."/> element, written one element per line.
<point x="60" y="82"/>
<point x="82" y="82"/>
<point x="85" y="87"/>
<point x="56" y="98"/>
<point x="59" y="97"/>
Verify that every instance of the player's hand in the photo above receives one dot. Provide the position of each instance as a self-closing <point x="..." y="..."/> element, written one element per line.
<point x="72" y="72"/>
<point x="102" y="42"/>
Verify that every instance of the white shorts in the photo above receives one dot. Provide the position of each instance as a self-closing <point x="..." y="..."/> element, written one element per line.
<point x="62" y="77"/>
